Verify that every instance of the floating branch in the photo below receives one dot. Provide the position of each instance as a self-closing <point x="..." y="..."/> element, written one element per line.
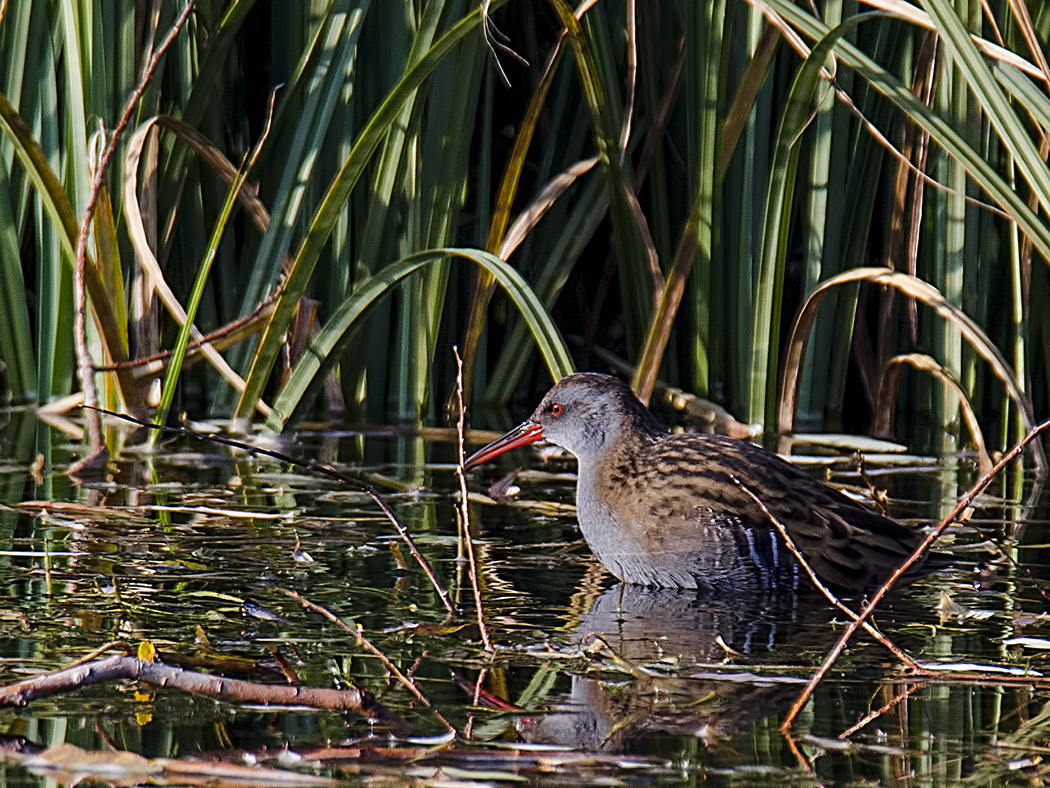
<point x="359" y="701"/>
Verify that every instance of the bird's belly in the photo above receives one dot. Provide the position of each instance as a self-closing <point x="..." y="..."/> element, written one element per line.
<point x="707" y="550"/>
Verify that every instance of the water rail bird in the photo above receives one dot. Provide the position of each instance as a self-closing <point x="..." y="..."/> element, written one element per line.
<point x="673" y="510"/>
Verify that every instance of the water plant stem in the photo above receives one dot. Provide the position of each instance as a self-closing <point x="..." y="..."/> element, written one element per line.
<point x="464" y="506"/>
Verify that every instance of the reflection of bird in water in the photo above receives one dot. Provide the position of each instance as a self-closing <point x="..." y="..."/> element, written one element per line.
<point x="675" y="677"/>
<point x="662" y="638"/>
<point x="674" y="511"/>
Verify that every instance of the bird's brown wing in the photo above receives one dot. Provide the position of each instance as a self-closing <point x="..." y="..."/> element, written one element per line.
<point x="708" y="478"/>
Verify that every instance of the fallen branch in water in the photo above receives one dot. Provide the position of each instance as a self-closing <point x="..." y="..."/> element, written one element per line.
<point x="964" y="502"/>
<point x="359" y="701"/>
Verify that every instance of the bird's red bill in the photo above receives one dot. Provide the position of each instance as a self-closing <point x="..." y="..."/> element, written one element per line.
<point x="525" y="433"/>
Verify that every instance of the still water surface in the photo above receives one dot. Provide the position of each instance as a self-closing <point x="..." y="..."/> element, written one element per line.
<point x="187" y="549"/>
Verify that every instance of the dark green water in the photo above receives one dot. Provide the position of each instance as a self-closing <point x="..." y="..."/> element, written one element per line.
<point x="168" y="547"/>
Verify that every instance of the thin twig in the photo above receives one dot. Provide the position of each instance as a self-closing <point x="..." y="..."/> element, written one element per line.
<point x="464" y="505"/>
<point x="827" y="592"/>
<point x="313" y="465"/>
<point x="852" y="627"/>
<point x="885" y="708"/>
<point x="85" y="369"/>
<point x="804" y="761"/>
<point x="205" y="339"/>
<point x="358" y="633"/>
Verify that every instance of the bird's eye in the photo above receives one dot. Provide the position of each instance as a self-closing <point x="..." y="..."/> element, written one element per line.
<point x="556" y="409"/>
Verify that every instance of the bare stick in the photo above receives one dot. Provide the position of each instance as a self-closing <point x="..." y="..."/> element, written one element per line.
<point x="313" y="465"/>
<point x="85" y="369"/>
<point x="852" y="627"/>
<point x="827" y="592"/>
<point x="359" y="701"/>
<point x="464" y="506"/>
<point x="356" y="631"/>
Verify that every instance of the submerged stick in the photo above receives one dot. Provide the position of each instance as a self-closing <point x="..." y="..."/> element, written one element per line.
<point x="464" y="506"/>
<point x="313" y="465"/>
<point x="884" y="589"/>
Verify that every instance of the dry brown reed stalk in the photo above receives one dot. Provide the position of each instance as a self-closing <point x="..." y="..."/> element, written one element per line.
<point x="827" y="592"/>
<point x="464" y="506"/>
<point x="919" y="551"/>
<point x="359" y="634"/>
<point x="317" y="467"/>
<point x="889" y="384"/>
<point x="85" y="369"/>
<point x="234" y="329"/>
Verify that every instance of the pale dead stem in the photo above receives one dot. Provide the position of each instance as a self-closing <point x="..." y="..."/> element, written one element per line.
<point x="887" y="398"/>
<point x="186" y="329"/>
<point x="464" y="507"/>
<point x="85" y="369"/>
<point x="144" y="255"/>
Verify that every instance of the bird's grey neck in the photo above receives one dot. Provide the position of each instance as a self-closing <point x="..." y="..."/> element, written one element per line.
<point x="617" y="436"/>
